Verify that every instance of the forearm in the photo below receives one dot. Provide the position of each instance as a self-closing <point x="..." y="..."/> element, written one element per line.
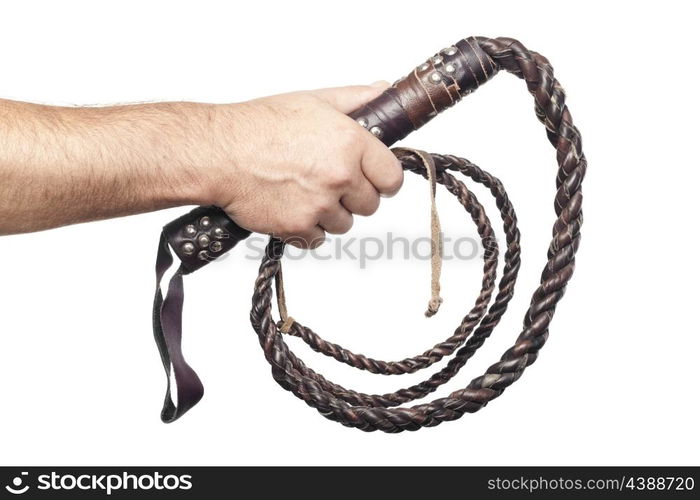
<point x="61" y="165"/>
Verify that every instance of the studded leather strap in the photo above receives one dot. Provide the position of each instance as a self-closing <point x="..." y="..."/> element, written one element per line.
<point x="202" y="235"/>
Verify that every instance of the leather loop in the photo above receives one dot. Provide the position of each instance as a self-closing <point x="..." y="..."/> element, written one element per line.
<point x="167" y="331"/>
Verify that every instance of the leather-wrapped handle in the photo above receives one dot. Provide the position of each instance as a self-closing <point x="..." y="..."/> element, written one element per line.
<point x="434" y="85"/>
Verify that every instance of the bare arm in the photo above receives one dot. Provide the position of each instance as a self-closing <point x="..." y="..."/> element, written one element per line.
<point x="62" y="165"/>
<point x="291" y="165"/>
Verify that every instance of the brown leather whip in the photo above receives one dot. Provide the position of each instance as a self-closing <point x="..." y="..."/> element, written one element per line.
<point x="206" y="233"/>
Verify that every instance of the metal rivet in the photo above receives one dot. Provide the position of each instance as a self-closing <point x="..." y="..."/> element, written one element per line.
<point x="424" y="66"/>
<point x="376" y="131"/>
<point x="203" y="255"/>
<point x="205" y="222"/>
<point x="450" y="68"/>
<point x="218" y="233"/>
<point x="450" y="51"/>
<point x="203" y="241"/>
<point x="362" y="122"/>
<point x="435" y="77"/>
<point x="216" y="246"/>
<point x="190" y="230"/>
<point x="187" y="248"/>
<point x="437" y="60"/>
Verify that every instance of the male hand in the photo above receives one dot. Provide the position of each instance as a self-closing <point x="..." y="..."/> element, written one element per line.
<point x="295" y="166"/>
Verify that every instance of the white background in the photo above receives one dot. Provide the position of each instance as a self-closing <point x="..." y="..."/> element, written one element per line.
<point x="80" y="377"/>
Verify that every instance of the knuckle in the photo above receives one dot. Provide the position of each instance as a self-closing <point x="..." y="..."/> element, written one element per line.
<point x="372" y="205"/>
<point x="393" y="180"/>
<point x="349" y="138"/>
<point x="369" y="206"/>
<point x="339" y="176"/>
<point x="326" y="206"/>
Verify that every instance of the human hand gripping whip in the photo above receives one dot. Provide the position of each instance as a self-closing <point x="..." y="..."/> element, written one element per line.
<point x="206" y="233"/>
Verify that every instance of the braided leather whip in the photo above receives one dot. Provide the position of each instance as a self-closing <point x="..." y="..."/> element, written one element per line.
<point x="440" y="82"/>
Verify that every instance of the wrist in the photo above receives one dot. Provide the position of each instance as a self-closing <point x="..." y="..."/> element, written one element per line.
<point x="186" y="153"/>
<point x="208" y="154"/>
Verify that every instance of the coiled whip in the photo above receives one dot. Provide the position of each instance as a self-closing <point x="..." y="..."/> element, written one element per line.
<point x="206" y="233"/>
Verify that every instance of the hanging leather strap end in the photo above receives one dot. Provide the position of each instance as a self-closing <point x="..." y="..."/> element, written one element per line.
<point x="197" y="238"/>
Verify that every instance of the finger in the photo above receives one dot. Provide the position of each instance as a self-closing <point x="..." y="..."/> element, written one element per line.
<point x="382" y="168"/>
<point x="336" y="221"/>
<point x="310" y="238"/>
<point x="362" y="198"/>
<point x="348" y="99"/>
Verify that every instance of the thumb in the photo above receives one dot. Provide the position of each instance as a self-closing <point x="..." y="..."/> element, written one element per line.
<point x="349" y="98"/>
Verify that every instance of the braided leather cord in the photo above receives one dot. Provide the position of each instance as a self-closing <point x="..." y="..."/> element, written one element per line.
<point x="379" y="412"/>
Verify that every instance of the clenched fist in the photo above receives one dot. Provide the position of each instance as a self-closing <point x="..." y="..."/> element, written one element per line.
<point x="295" y="166"/>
